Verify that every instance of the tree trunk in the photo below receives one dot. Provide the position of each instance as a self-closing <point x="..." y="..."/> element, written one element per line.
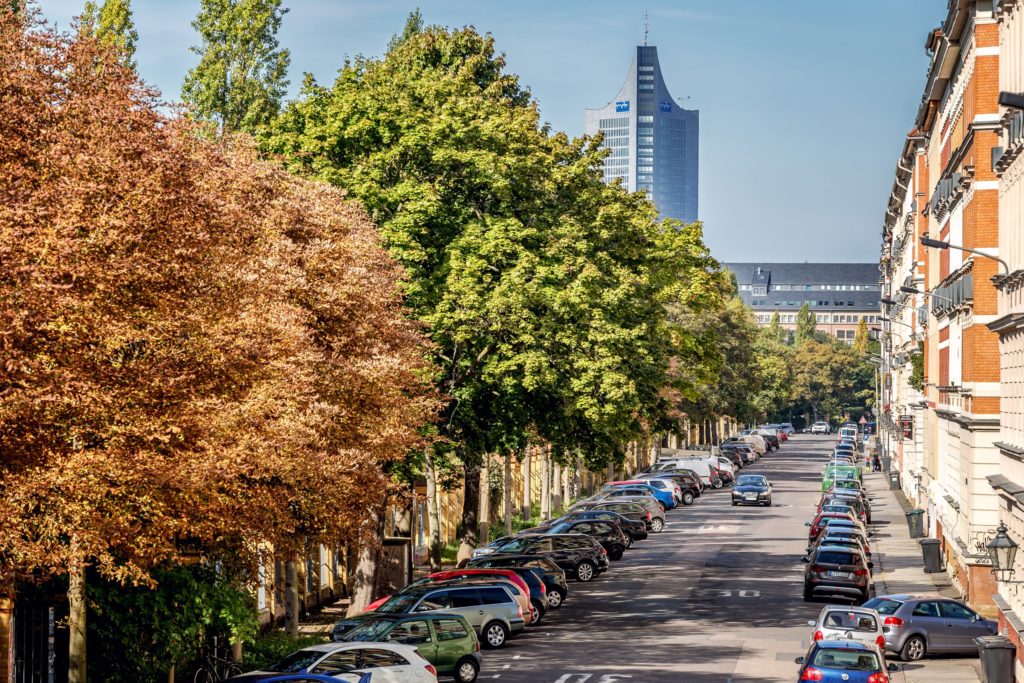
<point x="545" y="484"/>
<point x="170" y="674"/>
<point x="433" y="516"/>
<point x="556" y="486"/>
<point x="507" y="494"/>
<point x="76" y="624"/>
<point x="471" y="501"/>
<point x="364" y="579"/>
<point x="485" y="501"/>
<point x="291" y="598"/>
<point x="527" y="484"/>
<point x="611" y="472"/>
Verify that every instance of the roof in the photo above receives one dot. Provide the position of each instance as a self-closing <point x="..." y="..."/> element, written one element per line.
<point x="806" y="273"/>
<point x="844" y="645"/>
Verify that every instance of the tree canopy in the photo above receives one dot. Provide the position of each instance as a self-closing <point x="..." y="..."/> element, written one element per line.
<point x="112" y="25"/>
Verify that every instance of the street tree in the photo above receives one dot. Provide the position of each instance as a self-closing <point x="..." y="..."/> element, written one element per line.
<point x="242" y="73"/>
<point x="860" y="339"/>
<point x="806" y="324"/>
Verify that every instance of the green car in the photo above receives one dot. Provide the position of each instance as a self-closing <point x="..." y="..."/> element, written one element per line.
<point x="834" y="473"/>
<point x="445" y="640"/>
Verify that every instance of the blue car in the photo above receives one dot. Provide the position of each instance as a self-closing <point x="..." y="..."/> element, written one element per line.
<point x="844" y="661"/>
<point x="664" y="497"/>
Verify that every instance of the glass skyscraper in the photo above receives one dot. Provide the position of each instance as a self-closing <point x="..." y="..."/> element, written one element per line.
<point x="653" y="141"/>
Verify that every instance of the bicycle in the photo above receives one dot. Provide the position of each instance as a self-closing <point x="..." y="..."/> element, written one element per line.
<point x="214" y="668"/>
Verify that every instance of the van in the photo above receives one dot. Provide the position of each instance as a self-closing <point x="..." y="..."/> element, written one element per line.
<point x="700" y="465"/>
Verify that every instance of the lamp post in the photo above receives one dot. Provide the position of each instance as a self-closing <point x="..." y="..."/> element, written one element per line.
<point x="1011" y="100"/>
<point x="939" y="244"/>
<point x="933" y="295"/>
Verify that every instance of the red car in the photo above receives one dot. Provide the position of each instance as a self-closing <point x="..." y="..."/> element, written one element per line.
<point x="818" y="524"/>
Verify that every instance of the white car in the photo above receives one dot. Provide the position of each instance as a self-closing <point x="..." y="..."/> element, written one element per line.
<point x="821" y="428"/>
<point x="842" y="622"/>
<point x="388" y="663"/>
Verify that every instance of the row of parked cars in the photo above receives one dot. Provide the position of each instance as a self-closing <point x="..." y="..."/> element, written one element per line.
<point x="439" y="623"/>
<point x="850" y="642"/>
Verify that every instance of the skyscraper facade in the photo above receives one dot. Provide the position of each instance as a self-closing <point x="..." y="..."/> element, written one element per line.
<point x="653" y="140"/>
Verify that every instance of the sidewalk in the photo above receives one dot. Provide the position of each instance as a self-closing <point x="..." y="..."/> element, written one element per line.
<point x="899" y="569"/>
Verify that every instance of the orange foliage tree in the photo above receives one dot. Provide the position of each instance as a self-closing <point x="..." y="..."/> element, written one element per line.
<point x="196" y="349"/>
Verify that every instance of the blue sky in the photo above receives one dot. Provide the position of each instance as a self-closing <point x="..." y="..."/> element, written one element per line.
<point x="804" y="103"/>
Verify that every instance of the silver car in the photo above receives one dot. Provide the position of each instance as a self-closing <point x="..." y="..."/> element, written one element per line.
<point x="842" y="622"/>
<point x="915" y="625"/>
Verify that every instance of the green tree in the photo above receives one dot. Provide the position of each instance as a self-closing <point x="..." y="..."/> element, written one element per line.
<point x="775" y="328"/>
<point x="241" y="77"/>
<point x="860" y="340"/>
<point x="543" y="289"/>
<point x="112" y="25"/>
<point x="806" y="323"/>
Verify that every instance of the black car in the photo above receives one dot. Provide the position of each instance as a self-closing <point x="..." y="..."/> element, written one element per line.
<point x="636" y="528"/>
<point x="837" y="571"/>
<point x="772" y="439"/>
<point x="550" y="573"/>
<point x="577" y="554"/>
<point x="733" y="455"/>
<point x="609" y="534"/>
<point x="629" y="509"/>
<point x="752" y="489"/>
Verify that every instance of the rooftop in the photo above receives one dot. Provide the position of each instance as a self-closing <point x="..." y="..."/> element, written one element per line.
<point x="805" y="273"/>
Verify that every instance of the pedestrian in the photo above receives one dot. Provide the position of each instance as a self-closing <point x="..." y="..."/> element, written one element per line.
<point x="876" y="463"/>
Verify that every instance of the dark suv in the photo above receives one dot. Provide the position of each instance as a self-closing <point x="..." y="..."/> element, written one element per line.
<point x="636" y="528"/>
<point x="609" y="534"/>
<point x="580" y="555"/>
<point x="837" y="571"/>
<point x="628" y="509"/>
<point x="550" y="573"/>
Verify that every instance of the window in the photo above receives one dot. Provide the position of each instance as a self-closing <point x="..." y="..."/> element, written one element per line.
<point x="850" y="303"/>
<point x="436" y="600"/>
<point x="338" y="663"/>
<point x="410" y="633"/>
<point x="926" y="609"/>
<point x="646" y="119"/>
<point x="464" y="597"/>
<point x="450" y="629"/>
<point x="377" y="658"/>
<point x="952" y="610"/>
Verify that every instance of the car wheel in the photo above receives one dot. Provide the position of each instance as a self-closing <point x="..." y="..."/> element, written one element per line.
<point x="615" y="553"/>
<point x="657" y="525"/>
<point x="718" y="484"/>
<point x="734" y="503"/>
<point x="555" y="599"/>
<point x="466" y="670"/>
<point x="536" y="614"/>
<point x="913" y="649"/>
<point x="808" y="596"/>
<point x="495" y="634"/>
<point x="688" y="498"/>
<point x="585" y="571"/>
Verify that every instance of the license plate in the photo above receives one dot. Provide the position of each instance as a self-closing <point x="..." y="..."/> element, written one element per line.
<point x="844" y="575"/>
<point x="750" y="496"/>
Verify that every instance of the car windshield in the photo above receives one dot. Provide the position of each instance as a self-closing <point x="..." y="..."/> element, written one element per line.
<point x="850" y="621"/>
<point x="751" y="480"/>
<point x="369" y="630"/>
<point x="297" y="661"/>
<point x="883" y="605"/>
<point x="562" y="528"/>
<point x="399" y="603"/>
<point x="847" y="660"/>
<point x="514" y="546"/>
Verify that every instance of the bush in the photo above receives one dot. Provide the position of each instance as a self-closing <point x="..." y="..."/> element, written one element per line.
<point x="272" y="646"/>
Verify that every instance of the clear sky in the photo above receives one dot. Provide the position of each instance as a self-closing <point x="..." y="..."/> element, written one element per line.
<point x="804" y="103"/>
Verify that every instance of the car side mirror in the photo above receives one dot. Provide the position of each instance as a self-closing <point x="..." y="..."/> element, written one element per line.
<point x="892" y="668"/>
<point x="798" y="660"/>
<point x="871" y="565"/>
<point x="811" y="622"/>
<point x="807" y="523"/>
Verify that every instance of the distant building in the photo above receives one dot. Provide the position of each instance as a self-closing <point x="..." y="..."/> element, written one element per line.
<point x="653" y="141"/>
<point x="839" y="294"/>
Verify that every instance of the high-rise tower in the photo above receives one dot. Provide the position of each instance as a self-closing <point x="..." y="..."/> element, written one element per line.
<point x="653" y="140"/>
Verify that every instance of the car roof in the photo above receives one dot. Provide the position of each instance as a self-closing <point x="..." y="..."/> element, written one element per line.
<point x="837" y="548"/>
<point x="845" y="645"/>
<point x="903" y="597"/>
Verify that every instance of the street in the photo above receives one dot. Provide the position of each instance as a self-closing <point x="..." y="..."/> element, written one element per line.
<point x="715" y="597"/>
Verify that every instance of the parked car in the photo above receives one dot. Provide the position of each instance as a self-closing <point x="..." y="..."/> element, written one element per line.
<point x="844" y="661"/>
<point x="578" y="555"/>
<point x="608" y="534"/>
<point x="851" y="498"/>
<point x="839" y="622"/>
<point x="445" y="640"/>
<point x="752" y="489"/>
<point x="394" y="662"/>
<point x="646" y="501"/>
<point x="835" y="571"/>
<point x="492" y="610"/>
<point x="545" y="568"/>
<point x="916" y="625"/>
<point x="636" y="529"/>
<point x="823" y="519"/>
<point x="633" y="487"/>
<point x="841" y="532"/>
<point x="688" y="483"/>
<point x="833" y="474"/>
<point x="821" y="428"/>
<point x="528" y="587"/>
<point x="630" y="510"/>
<point x="666" y="486"/>
<point x="846" y="540"/>
<point x="771" y="437"/>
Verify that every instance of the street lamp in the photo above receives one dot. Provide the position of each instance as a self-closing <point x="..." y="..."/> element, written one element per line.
<point x="1011" y="100"/>
<point x="1002" y="550"/>
<point x="939" y="244"/>
<point x="915" y="290"/>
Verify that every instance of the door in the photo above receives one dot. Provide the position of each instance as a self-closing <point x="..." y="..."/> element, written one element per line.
<point x="452" y="640"/>
<point x="926" y="618"/>
<point x="415" y="632"/>
<point x="962" y="626"/>
<point x="466" y="602"/>
<point x="385" y="666"/>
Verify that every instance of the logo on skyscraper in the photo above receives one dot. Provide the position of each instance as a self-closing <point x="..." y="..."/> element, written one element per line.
<point x="622" y="105"/>
<point x="666" y="106"/>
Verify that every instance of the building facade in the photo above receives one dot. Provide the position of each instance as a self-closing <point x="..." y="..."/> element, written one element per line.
<point x="942" y="428"/>
<point x="839" y="294"/>
<point x="653" y="142"/>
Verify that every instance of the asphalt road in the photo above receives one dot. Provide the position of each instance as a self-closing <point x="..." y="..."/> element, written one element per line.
<point x="716" y="597"/>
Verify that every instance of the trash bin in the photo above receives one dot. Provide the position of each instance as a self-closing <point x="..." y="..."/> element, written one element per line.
<point x="931" y="551"/>
<point x="894" y="481"/>
<point x="886" y="463"/>
<point x="997" y="654"/>
<point x="915" y="523"/>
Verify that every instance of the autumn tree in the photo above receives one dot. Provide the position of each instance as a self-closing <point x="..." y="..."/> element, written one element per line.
<point x="202" y="352"/>
<point x="112" y="25"/>
<point x="542" y="288"/>
<point x="242" y="73"/>
<point x="860" y="340"/>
